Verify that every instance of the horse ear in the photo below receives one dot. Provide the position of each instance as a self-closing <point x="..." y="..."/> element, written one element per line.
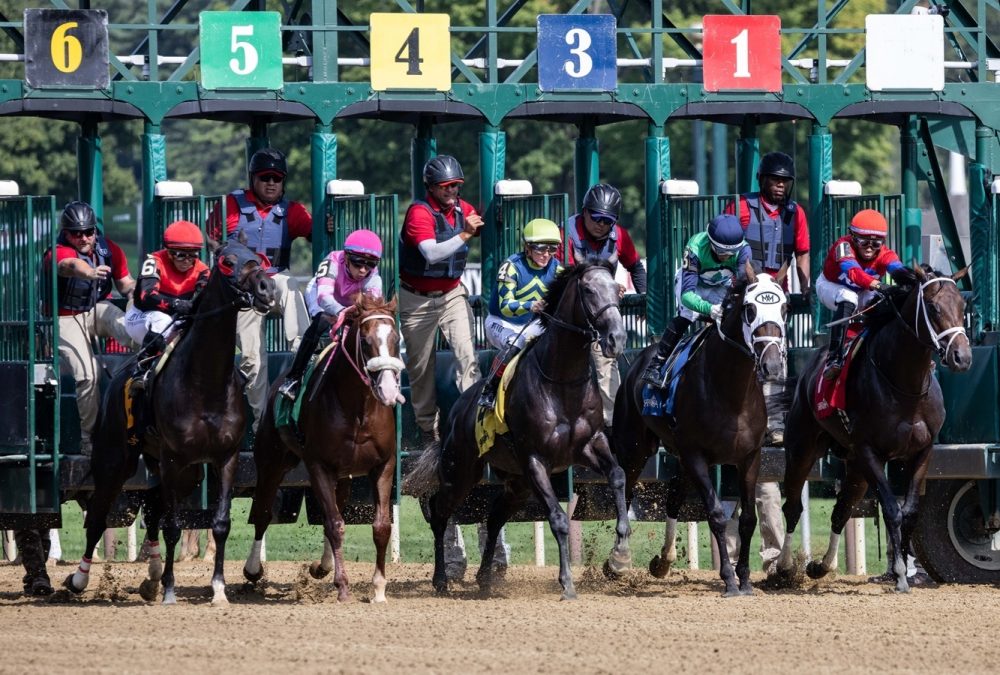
<point x="751" y="275"/>
<point x="919" y="272"/>
<point x="241" y="237"/>
<point x="960" y="273"/>
<point x="779" y="278"/>
<point x="391" y="306"/>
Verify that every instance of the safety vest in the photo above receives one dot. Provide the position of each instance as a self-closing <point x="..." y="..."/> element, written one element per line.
<point x="772" y="240"/>
<point x="412" y="261"/>
<point x="265" y="235"/>
<point x="81" y="295"/>
<point x="532" y="284"/>
<point x="581" y="251"/>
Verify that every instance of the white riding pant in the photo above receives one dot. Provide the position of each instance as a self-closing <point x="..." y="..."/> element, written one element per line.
<point x="138" y="322"/>
<point x="830" y="293"/>
<point x="501" y="332"/>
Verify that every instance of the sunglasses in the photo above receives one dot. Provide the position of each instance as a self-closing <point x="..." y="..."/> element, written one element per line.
<point x="869" y="242"/>
<point x="89" y="232"/>
<point x="544" y="248"/>
<point x="359" y="261"/>
<point x="183" y="255"/>
<point x="270" y="178"/>
<point x="603" y="220"/>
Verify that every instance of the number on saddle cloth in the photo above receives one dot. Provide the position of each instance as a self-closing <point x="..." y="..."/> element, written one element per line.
<point x="660" y="401"/>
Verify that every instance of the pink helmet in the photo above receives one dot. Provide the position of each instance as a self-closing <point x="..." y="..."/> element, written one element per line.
<point x="364" y="242"/>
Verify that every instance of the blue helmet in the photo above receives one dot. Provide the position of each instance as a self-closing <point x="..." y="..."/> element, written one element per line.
<point x="726" y="234"/>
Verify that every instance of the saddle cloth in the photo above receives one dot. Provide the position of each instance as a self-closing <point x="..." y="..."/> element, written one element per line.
<point x="491" y="423"/>
<point x="660" y="401"/>
<point x="145" y="417"/>
<point x="831" y="395"/>
<point x="286" y="413"/>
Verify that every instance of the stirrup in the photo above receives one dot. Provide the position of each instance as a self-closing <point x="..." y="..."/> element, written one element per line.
<point x="290" y="389"/>
<point x="488" y="399"/>
<point x="831" y="371"/>
<point x="653" y="375"/>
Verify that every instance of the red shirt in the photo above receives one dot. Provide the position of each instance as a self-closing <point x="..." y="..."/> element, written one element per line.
<point x="160" y="282"/>
<point x="800" y="227"/>
<point x="119" y="265"/>
<point x="627" y="255"/>
<point x="297" y="217"/>
<point x="419" y="226"/>
<point x="843" y="266"/>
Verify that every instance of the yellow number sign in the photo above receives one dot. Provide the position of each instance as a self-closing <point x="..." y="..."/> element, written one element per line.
<point x="410" y="51"/>
<point x="67" y="52"/>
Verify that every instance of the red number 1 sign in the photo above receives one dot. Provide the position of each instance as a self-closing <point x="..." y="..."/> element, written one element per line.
<point x="742" y="52"/>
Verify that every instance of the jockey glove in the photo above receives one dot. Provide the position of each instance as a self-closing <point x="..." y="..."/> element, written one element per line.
<point x="181" y="307"/>
<point x="716" y="312"/>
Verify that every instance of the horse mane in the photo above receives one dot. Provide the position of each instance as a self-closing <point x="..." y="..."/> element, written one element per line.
<point x="882" y="313"/>
<point x="366" y="302"/>
<point x="567" y="275"/>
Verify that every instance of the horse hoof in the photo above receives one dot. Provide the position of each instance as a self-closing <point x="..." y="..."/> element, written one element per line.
<point x="316" y="571"/>
<point x="254" y="578"/>
<point x="816" y="570"/>
<point x="568" y="594"/>
<point x="883" y="578"/>
<point x="169" y="598"/>
<point x="902" y="587"/>
<point x="658" y="567"/>
<point x="732" y="593"/>
<point x="220" y="601"/>
<point x="746" y="590"/>
<point x="149" y="589"/>
<point x="441" y="587"/>
<point x="68" y="585"/>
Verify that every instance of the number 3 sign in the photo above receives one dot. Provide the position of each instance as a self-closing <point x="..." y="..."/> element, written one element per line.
<point x="742" y="52"/>
<point x="577" y="52"/>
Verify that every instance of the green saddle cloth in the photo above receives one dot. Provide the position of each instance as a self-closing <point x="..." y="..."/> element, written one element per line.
<point x="286" y="413"/>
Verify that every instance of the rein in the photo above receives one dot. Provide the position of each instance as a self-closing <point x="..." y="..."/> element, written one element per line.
<point x="363" y="371"/>
<point x="590" y="331"/>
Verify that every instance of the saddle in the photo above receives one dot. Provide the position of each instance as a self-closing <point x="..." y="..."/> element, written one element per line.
<point x="286" y="413"/>
<point x="831" y="395"/>
<point x="491" y="423"/>
<point x="661" y="401"/>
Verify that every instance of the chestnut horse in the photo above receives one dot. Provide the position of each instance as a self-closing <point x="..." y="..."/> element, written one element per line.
<point x="894" y="410"/>
<point x="198" y="417"/>
<point x="347" y="427"/>
<point x="719" y="417"/>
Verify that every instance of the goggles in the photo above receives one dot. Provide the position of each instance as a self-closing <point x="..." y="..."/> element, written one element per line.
<point x="360" y="261"/>
<point x="181" y="256"/>
<point x="544" y="248"/>
<point x="869" y="242"/>
<point x="603" y="219"/>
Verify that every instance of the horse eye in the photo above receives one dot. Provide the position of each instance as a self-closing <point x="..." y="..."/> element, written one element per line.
<point x="750" y="312"/>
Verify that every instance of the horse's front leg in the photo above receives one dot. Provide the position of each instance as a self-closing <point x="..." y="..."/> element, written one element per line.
<point x="220" y="527"/>
<point x="801" y="435"/>
<point x="918" y="471"/>
<point x="874" y="470"/>
<point x="697" y="468"/>
<point x="660" y="565"/>
<point x="748" y="519"/>
<point x="538" y="474"/>
<point x="171" y="531"/>
<point x="852" y="489"/>
<point x="152" y="510"/>
<point x="515" y="494"/>
<point x="381" y="478"/>
<point x="325" y="488"/>
<point x="598" y="455"/>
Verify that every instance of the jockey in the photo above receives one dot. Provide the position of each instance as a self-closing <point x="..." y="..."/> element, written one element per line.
<point x="522" y="282"/>
<point x="168" y="282"/>
<point x="339" y="279"/>
<point x="711" y="261"/>
<point x="851" y="277"/>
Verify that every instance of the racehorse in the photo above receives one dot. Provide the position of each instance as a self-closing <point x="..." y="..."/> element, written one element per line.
<point x="198" y="417"/>
<point x="719" y="417"/>
<point x="554" y="418"/>
<point x="894" y="410"/>
<point x="347" y="427"/>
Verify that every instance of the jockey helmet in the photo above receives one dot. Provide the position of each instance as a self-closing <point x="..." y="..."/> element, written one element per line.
<point x="364" y="243"/>
<point x="869" y="222"/>
<point x="268" y="159"/>
<point x="603" y="200"/>
<point x="183" y="234"/>
<point x="776" y="164"/>
<point x="443" y="170"/>
<point x="725" y="234"/>
<point x="542" y="231"/>
<point x="78" y="216"/>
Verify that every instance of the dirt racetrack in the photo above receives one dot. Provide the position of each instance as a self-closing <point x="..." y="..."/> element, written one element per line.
<point x="640" y="625"/>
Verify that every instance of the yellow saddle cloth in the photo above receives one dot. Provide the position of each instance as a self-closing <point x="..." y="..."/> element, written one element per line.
<point x="490" y="423"/>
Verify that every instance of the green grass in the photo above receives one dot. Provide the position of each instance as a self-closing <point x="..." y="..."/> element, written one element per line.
<point x="301" y="541"/>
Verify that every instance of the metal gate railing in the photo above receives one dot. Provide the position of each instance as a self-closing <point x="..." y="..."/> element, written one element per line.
<point x="379" y="213"/>
<point x="514" y="212"/>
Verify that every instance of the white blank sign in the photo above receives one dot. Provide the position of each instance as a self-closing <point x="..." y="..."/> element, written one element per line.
<point x="904" y="52"/>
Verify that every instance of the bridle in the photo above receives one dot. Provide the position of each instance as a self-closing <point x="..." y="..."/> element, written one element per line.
<point x="376" y="364"/>
<point x="768" y="299"/>
<point x="936" y="337"/>
<point x="590" y="331"/>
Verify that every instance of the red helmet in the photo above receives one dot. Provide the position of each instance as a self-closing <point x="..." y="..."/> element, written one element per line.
<point x="183" y="234"/>
<point x="869" y="222"/>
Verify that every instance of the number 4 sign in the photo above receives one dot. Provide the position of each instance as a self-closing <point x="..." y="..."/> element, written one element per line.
<point x="240" y="50"/>
<point x="410" y="51"/>
<point x="742" y="52"/>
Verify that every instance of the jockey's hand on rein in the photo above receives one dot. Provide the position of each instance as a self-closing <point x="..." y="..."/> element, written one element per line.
<point x="181" y="307"/>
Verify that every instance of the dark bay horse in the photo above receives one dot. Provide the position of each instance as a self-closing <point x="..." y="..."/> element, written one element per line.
<point x="348" y="428"/>
<point x="894" y="411"/>
<point x="199" y="418"/>
<point x="555" y="419"/>
<point x="719" y="417"/>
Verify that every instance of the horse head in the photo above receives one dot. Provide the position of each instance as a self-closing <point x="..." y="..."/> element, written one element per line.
<point x="376" y="347"/>
<point x="763" y="311"/>
<point x="935" y="311"/>
<point x="585" y="300"/>
<point x="245" y="276"/>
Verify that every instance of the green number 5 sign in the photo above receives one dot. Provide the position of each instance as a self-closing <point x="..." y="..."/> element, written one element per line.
<point x="240" y="50"/>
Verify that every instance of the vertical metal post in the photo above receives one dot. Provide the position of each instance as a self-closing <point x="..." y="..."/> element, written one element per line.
<point x="257" y="140"/>
<point x="981" y="245"/>
<point x="657" y="169"/>
<point x="324" y="43"/>
<point x="422" y="148"/>
<point x="586" y="161"/>
<point x="89" y="159"/>
<point x="492" y="163"/>
<point x="154" y="168"/>
<point x="820" y="172"/>
<point x="719" y="159"/>
<point x="747" y="153"/>
<point x="911" y="203"/>
<point x="323" y="155"/>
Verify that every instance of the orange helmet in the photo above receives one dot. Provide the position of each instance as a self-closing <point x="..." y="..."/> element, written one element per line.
<point x="183" y="234"/>
<point x="869" y="222"/>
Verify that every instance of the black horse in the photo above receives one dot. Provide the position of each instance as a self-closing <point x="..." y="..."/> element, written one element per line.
<point x="198" y="417"/>
<point x="348" y="427"/>
<point x="894" y="410"/>
<point x="719" y="417"/>
<point x="555" y="419"/>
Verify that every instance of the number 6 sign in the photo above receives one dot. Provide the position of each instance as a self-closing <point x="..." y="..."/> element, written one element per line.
<point x="742" y="52"/>
<point x="240" y="50"/>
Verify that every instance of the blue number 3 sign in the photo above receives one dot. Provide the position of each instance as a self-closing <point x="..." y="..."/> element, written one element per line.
<point x="577" y="52"/>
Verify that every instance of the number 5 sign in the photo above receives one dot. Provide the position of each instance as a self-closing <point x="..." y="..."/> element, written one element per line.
<point x="240" y="50"/>
<point x="742" y="52"/>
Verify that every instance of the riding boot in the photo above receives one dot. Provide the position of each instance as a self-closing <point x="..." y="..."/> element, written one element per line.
<point x="664" y="348"/>
<point x="838" y="332"/>
<point x="152" y="345"/>
<point x="33" y="545"/>
<point x="488" y="397"/>
<point x="307" y="347"/>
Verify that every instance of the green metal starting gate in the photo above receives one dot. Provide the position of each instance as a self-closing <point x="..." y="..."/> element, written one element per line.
<point x="29" y="363"/>
<point x="378" y="213"/>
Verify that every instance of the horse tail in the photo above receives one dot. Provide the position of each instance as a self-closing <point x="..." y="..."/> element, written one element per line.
<point x="423" y="478"/>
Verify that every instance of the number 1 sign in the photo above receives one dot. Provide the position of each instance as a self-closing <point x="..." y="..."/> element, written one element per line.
<point x="742" y="52"/>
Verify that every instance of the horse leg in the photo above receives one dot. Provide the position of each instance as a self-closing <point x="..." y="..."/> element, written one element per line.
<point x="381" y="478"/>
<point x="558" y="521"/>
<point x="891" y="513"/>
<point x="272" y="464"/>
<point x="220" y="527"/>
<point x="918" y="471"/>
<point x="152" y="509"/>
<point x="696" y="467"/>
<point x="325" y="489"/>
<point x="513" y="497"/>
<point x="801" y="441"/>
<point x="321" y="569"/>
<point x="660" y="565"/>
<point x="748" y="519"/>
<point x="598" y="455"/>
<point x="852" y="489"/>
<point x="171" y="529"/>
